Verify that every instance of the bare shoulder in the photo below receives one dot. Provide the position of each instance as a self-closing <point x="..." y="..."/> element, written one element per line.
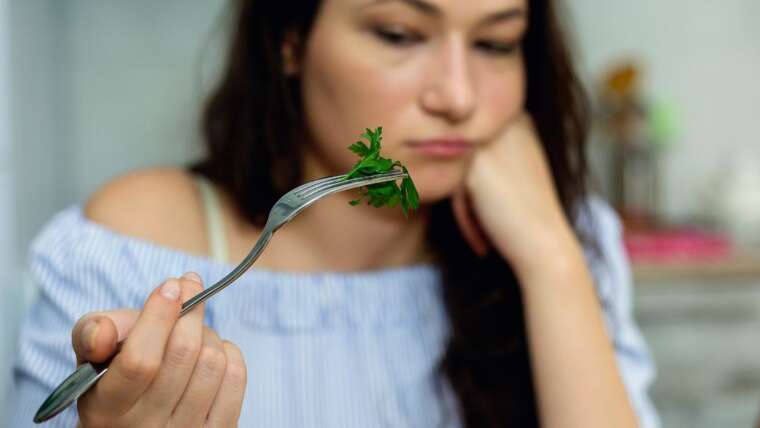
<point x="158" y="204"/>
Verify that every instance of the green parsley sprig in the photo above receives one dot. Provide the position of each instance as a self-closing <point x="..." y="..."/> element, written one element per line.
<point x="371" y="163"/>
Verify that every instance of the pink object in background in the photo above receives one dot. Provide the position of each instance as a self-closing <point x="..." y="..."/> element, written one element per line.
<point x="677" y="245"/>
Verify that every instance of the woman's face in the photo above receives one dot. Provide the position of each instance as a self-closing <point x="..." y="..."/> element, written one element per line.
<point x="428" y="71"/>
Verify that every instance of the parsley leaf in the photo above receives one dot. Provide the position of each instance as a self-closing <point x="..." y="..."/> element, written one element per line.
<point x="371" y="163"/>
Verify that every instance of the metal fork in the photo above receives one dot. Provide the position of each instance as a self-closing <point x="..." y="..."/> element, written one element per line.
<point x="283" y="211"/>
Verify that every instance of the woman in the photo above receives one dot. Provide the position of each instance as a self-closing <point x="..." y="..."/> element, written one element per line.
<point x="481" y="310"/>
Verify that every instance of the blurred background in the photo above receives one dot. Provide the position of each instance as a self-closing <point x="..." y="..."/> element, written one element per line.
<point x="90" y="89"/>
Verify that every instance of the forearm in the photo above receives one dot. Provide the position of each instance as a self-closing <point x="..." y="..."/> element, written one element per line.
<point x="575" y="373"/>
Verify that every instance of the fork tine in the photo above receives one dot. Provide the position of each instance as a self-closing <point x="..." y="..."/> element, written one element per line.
<point x="335" y="185"/>
<point x="311" y="184"/>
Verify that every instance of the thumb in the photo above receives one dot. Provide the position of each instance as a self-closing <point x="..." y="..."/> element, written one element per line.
<point x="96" y="336"/>
<point x="468" y="224"/>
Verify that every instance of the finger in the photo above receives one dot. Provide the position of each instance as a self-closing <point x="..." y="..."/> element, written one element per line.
<point x="225" y="411"/>
<point x="95" y="336"/>
<point x="196" y="402"/>
<point x="467" y="223"/>
<point x="179" y="359"/>
<point x="136" y="365"/>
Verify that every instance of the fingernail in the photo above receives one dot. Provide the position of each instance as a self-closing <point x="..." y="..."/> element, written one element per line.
<point x="88" y="334"/>
<point x="192" y="276"/>
<point x="170" y="289"/>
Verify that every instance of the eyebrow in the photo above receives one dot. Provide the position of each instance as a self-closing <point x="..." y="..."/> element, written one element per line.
<point x="433" y="10"/>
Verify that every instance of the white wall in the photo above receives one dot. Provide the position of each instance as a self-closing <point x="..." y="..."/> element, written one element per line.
<point x="8" y="288"/>
<point x="137" y="73"/>
<point x="40" y="145"/>
<point x="704" y="56"/>
<point x="7" y="236"/>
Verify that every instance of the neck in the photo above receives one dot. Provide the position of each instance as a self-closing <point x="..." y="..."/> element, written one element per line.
<point x="333" y="235"/>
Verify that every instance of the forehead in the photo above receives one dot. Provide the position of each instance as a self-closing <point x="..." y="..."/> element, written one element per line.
<point x="447" y="7"/>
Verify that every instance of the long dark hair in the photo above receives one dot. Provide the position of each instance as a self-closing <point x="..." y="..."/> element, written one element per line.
<point x="253" y="127"/>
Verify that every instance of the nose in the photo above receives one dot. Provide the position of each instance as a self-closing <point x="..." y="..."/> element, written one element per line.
<point x="448" y="90"/>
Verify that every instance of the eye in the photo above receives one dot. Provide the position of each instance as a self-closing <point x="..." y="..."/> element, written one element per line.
<point x="397" y="36"/>
<point x="497" y="48"/>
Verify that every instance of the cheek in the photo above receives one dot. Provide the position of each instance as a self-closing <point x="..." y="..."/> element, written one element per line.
<point x="502" y="98"/>
<point x="345" y="92"/>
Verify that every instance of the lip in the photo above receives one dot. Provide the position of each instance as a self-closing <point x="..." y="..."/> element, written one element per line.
<point x="442" y="147"/>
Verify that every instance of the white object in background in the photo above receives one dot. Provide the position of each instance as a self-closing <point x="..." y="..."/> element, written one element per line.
<point x="4" y="85"/>
<point x="738" y="201"/>
<point x="12" y="300"/>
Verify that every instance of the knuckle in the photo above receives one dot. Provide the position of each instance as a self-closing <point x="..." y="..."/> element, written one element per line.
<point x="138" y="368"/>
<point x="212" y="361"/>
<point x="232" y="350"/>
<point x="236" y="372"/>
<point x="182" y="352"/>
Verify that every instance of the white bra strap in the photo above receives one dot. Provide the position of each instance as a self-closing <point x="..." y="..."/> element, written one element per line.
<point x="214" y="221"/>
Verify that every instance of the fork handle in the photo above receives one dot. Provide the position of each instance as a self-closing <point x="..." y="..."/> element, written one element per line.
<point x="78" y="382"/>
<point x="232" y="276"/>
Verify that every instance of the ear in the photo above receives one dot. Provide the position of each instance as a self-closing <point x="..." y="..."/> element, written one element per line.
<point x="291" y="53"/>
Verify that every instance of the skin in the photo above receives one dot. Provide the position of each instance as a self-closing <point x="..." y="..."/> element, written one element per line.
<point x="438" y="68"/>
<point x="169" y="372"/>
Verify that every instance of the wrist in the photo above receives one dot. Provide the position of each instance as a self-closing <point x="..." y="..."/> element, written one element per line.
<point x="552" y="260"/>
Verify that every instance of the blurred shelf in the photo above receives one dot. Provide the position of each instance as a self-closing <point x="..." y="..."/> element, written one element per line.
<point x="735" y="267"/>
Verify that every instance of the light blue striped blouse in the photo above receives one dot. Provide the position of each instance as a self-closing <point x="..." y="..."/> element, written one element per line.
<point x="322" y="349"/>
